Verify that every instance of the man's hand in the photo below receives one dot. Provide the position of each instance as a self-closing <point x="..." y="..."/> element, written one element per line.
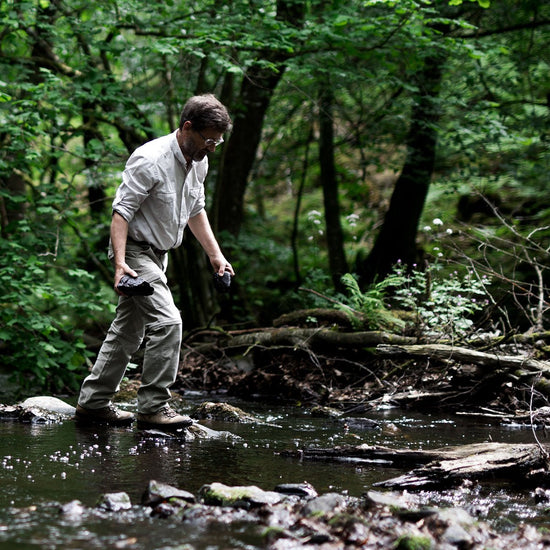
<point x="221" y="265"/>
<point x="120" y="271"/>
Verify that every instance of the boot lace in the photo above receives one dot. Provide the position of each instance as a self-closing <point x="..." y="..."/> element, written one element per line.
<point x="168" y="412"/>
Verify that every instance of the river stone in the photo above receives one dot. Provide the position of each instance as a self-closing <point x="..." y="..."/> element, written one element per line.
<point x="48" y="405"/>
<point x="454" y="525"/>
<point x="10" y="412"/>
<point x="222" y="412"/>
<point x="325" y="504"/>
<point x="218" y="494"/>
<point x="114" y="502"/>
<point x="73" y="510"/>
<point x="393" y="500"/>
<point x="303" y="490"/>
<point x="358" y="423"/>
<point x="157" y="492"/>
<point x="320" y="411"/>
<point x="198" y="431"/>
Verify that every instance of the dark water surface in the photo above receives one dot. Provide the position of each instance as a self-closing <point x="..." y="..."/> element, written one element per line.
<point x="43" y="467"/>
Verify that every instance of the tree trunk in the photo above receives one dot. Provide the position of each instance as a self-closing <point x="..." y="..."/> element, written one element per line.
<point x="397" y="238"/>
<point x="192" y="273"/>
<point x="256" y="91"/>
<point x="335" y="239"/>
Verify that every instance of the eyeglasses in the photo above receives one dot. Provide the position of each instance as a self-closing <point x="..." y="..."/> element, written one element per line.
<point x="210" y="141"/>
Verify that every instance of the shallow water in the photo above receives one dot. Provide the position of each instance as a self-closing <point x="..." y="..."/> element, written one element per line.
<point x="45" y="466"/>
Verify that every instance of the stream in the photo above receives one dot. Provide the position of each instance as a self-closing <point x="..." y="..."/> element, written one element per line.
<point x="44" y="466"/>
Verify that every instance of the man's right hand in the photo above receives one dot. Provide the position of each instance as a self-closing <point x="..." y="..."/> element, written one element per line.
<point x="120" y="271"/>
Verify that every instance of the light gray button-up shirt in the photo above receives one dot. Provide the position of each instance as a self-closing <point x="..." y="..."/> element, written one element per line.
<point x="160" y="192"/>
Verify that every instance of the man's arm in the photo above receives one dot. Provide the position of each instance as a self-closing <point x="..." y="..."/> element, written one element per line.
<point x="119" y="234"/>
<point x="200" y="226"/>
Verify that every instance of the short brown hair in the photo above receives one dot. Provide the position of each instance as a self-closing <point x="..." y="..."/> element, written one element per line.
<point x="205" y="111"/>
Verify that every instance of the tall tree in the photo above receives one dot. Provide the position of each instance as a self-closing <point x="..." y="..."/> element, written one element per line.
<point x="335" y="239"/>
<point x="397" y="237"/>
<point x="257" y="87"/>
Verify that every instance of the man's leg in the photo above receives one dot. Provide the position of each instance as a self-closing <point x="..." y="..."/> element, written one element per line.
<point x="160" y="367"/>
<point x="124" y="336"/>
<point x="122" y="341"/>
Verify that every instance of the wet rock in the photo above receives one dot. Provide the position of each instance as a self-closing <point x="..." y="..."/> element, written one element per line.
<point x="329" y="503"/>
<point x="158" y="492"/>
<point x="49" y="404"/>
<point x="223" y="412"/>
<point x="320" y="411"/>
<point x="73" y="510"/>
<point x="195" y="431"/>
<point x="303" y="490"/>
<point x="198" y="431"/>
<point x="402" y="506"/>
<point x="454" y="527"/>
<point x="218" y="494"/>
<point x="326" y="522"/>
<point x="10" y="412"/>
<point x="390" y="499"/>
<point x="351" y="529"/>
<point x="202" y="515"/>
<point x="114" y="502"/>
<point x="360" y="423"/>
<point x="38" y="410"/>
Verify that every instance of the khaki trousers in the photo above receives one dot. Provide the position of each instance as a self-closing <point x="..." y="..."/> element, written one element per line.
<point x="154" y="319"/>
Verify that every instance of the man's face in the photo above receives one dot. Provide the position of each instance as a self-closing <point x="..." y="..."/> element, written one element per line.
<point x="196" y="145"/>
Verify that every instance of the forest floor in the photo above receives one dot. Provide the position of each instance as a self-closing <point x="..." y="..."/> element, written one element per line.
<point x="508" y="379"/>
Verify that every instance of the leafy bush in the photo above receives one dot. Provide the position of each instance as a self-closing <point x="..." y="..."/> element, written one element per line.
<point x="41" y="302"/>
<point x="371" y="305"/>
<point x="442" y="302"/>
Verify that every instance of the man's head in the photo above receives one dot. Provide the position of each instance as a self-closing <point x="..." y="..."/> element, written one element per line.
<point x="205" y="111"/>
<point x="203" y="121"/>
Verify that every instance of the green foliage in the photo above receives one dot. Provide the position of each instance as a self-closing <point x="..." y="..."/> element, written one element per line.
<point x="442" y="302"/>
<point x="40" y="345"/>
<point x="85" y="83"/>
<point x="44" y="305"/>
<point x="369" y="308"/>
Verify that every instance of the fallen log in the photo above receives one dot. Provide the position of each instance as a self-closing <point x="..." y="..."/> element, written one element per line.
<point x="477" y="463"/>
<point x="464" y="355"/>
<point x="444" y="467"/>
<point x="305" y="338"/>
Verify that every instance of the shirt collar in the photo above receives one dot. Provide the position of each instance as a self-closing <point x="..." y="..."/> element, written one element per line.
<point x="177" y="151"/>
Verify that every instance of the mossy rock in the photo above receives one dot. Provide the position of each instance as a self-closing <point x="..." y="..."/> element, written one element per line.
<point x="218" y="494"/>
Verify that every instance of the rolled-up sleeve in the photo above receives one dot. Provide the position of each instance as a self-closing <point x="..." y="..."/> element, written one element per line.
<point x="138" y="178"/>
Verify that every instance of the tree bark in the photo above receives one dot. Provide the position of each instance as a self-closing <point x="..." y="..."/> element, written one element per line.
<point x="335" y="239"/>
<point x="440" y="468"/>
<point x="397" y="238"/>
<point x="257" y="88"/>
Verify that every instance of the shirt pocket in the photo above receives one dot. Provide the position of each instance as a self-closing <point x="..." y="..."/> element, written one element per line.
<point x="165" y="207"/>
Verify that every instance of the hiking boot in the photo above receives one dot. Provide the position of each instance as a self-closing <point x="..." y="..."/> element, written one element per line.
<point x="104" y="415"/>
<point x="164" y="419"/>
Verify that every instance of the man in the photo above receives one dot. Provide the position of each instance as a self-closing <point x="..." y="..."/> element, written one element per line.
<point x="162" y="192"/>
